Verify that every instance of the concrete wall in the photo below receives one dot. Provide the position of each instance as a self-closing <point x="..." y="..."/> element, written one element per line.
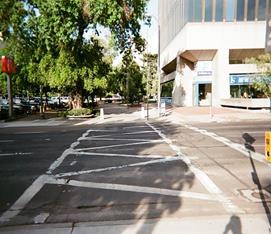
<point x="212" y="36"/>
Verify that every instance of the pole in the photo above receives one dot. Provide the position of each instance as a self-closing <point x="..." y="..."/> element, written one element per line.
<point x="148" y="75"/>
<point x="158" y="73"/>
<point x="10" y="99"/>
<point x="41" y="104"/>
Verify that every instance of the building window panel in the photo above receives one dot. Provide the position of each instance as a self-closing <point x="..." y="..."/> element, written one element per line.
<point x="208" y="10"/>
<point x="219" y="10"/>
<point x="261" y="9"/>
<point x="251" y="10"/>
<point x="230" y="10"/>
<point x="190" y="5"/>
<point x="198" y="10"/>
<point x="240" y="10"/>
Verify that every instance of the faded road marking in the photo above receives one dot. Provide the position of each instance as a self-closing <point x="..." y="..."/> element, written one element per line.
<point x="238" y="147"/>
<point x="202" y="177"/>
<point x="162" y="160"/>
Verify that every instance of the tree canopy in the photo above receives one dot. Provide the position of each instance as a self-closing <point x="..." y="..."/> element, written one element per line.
<point x="262" y="81"/>
<point x="56" y="42"/>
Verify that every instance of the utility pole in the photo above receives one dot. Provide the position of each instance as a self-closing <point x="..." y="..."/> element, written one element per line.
<point x="10" y="97"/>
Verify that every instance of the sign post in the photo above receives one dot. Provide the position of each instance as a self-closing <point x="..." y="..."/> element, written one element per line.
<point x="8" y="67"/>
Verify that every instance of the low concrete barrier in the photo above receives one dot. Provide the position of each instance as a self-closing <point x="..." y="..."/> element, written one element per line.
<point x="249" y="103"/>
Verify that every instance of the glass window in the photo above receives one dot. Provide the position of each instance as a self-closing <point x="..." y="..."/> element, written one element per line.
<point x="261" y="9"/>
<point x="219" y="10"/>
<point x="230" y="10"/>
<point x="190" y="7"/>
<point x="240" y="10"/>
<point x="269" y="10"/>
<point x="198" y="10"/>
<point x="251" y="10"/>
<point x="208" y="10"/>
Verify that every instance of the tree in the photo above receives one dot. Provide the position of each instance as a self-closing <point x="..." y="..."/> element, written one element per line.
<point x="262" y="81"/>
<point x="48" y="39"/>
<point x="150" y="73"/>
<point x="127" y="79"/>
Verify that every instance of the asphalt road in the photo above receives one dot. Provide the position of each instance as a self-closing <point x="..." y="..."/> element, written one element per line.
<point x="131" y="171"/>
<point x="250" y="133"/>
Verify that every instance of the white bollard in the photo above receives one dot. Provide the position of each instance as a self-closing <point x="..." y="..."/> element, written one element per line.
<point x="163" y="108"/>
<point x="142" y="112"/>
<point x="101" y="114"/>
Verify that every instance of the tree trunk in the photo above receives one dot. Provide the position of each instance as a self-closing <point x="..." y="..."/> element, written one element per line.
<point x="77" y="101"/>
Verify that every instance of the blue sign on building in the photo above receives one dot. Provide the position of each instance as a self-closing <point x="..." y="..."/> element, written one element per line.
<point x="240" y="79"/>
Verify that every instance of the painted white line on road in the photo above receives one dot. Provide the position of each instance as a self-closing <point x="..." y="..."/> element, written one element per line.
<point x="6" y="141"/>
<point x="23" y="133"/>
<point x="102" y="130"/>
<point x="121" y="155"/>
<point x="141" y="126"/>
<point x="108" y="135"/>
<point x="15" y="154"/>
<point x="36" y="186"/>
<point x="67" y="152"/>
<point x="238" y="147"/>
<point x="41" y="218"/>
<point x="139" y="132"/>
<point x="202" y="177"/>
<point x="112" y="139"/>
<point x="28" y="194"/>
<point x="133" y="188"/>
<point x="73" y="163"/>
<point x="120" y="145"/>
<point x="76" y="173"/>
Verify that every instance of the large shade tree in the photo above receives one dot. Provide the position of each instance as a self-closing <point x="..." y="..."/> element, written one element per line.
<point x="55" y="41"/>
<point x="262" y="81"/>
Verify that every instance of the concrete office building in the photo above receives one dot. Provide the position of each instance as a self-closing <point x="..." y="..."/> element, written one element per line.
<point x="203" y="45"/>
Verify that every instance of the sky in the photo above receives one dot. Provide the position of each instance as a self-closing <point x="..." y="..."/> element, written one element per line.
<point x="151" y="33"/>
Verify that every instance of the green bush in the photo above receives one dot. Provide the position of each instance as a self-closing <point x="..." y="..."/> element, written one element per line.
<point x="76" y="112"/>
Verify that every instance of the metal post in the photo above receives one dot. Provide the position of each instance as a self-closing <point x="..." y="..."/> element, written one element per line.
<point x="10" y="98"/>
<point x="148" y="74"/>
<point x="158" y="72"/>
<point x="41" y="103"/>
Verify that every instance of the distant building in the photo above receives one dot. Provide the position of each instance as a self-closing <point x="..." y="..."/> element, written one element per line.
<point x="203" y="47"/>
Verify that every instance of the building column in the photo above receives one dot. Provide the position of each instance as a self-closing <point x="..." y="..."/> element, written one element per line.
<point x="178" y="93"/>
<point x="221" y="81"/>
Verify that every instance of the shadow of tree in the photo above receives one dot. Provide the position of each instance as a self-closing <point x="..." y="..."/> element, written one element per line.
<point x="67" y="203"/>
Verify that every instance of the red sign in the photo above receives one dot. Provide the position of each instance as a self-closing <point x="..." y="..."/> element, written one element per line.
<point x="8" y="65"/>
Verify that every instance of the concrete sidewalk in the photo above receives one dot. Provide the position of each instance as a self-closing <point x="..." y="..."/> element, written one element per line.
<point x="215" y="114"/>
<point x="237" y="224"/>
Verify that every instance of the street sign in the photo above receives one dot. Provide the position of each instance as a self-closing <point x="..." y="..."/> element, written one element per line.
<point x="268" y="35"/>
<point x="8" y="65"/>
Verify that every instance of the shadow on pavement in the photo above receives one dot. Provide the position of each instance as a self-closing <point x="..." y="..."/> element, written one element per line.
<point x="234" y="226"/>
<point x="71" y="204"/>
<point x="249" y="140"/>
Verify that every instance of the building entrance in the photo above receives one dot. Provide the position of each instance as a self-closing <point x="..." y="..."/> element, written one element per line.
<point x="202" y="94"/>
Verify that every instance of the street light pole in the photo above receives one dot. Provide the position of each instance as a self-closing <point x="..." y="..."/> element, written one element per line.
<point x="158" y="72"/>
<point x="158" y="68"/>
